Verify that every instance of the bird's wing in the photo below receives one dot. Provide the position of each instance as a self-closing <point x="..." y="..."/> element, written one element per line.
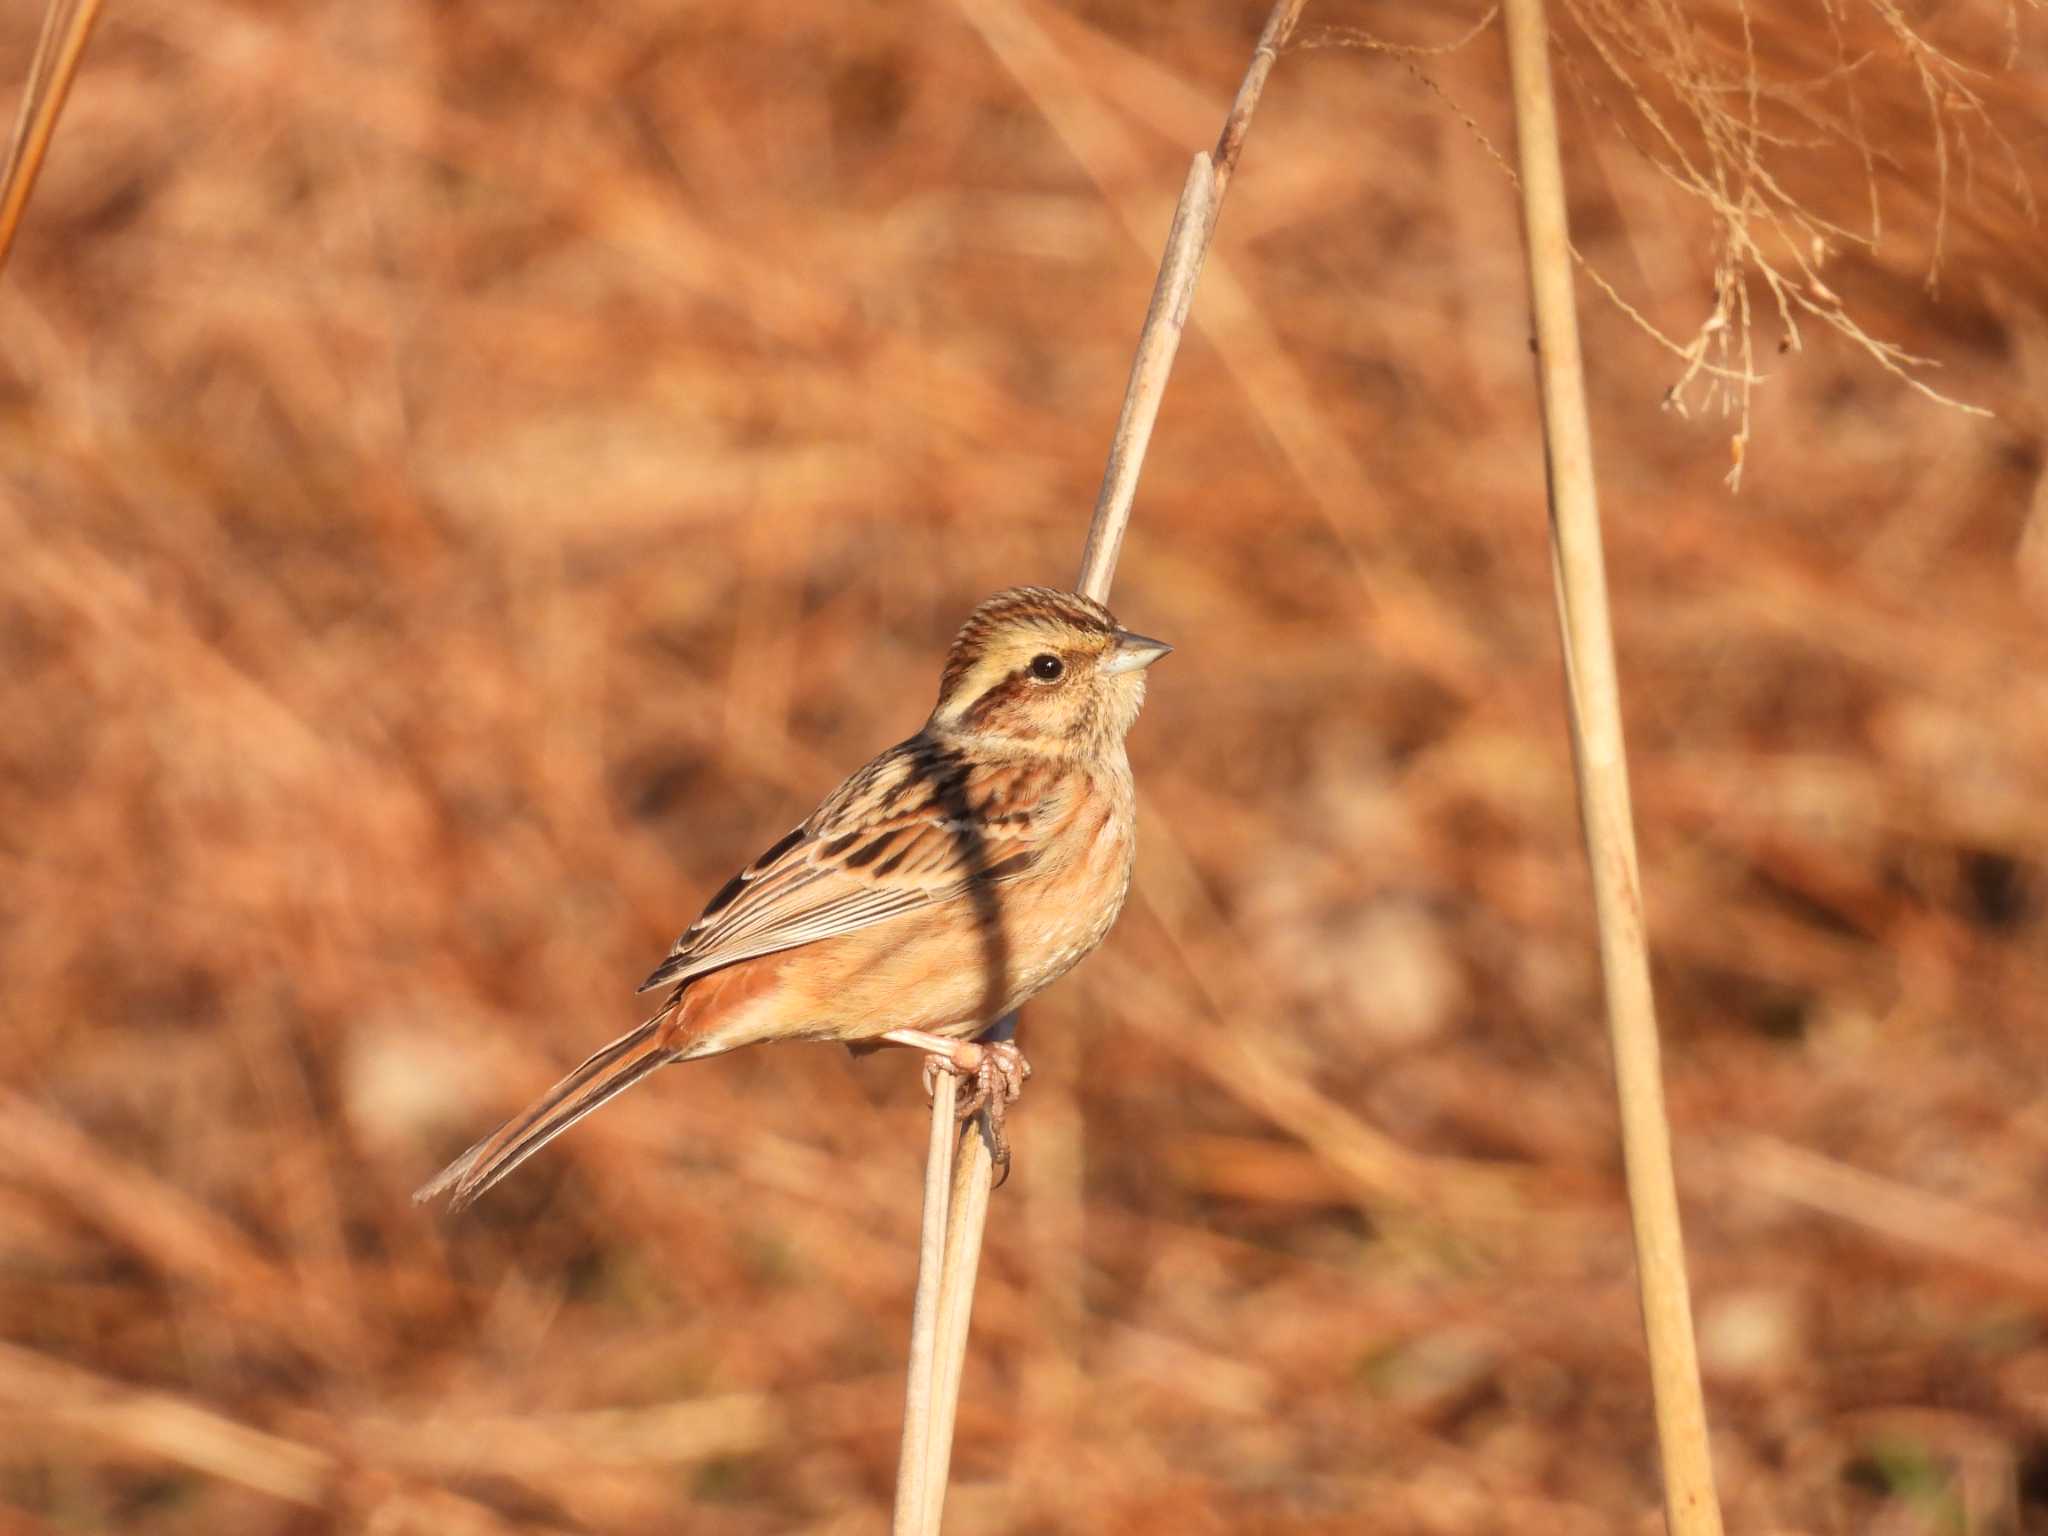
<point x="918" y="826"/>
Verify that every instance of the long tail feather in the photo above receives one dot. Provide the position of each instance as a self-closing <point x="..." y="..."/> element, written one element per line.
<point x="599" y="1080"/>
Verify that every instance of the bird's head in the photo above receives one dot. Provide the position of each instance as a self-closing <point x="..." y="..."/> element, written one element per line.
<point x="1050" y="670"/>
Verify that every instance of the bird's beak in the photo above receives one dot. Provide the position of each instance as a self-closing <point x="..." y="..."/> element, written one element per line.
<point x="1132" y="653"/>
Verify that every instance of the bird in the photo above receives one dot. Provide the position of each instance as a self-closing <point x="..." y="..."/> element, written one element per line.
<point x="937" y="889"/>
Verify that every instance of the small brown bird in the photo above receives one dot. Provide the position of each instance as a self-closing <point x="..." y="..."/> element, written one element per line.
<point x="937" y="889"/>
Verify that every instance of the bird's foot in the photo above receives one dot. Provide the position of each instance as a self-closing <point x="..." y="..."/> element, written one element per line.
<point x="993" y="1074"/>
<point x="949" y="1063"/>
<point x="999" y="1079"/>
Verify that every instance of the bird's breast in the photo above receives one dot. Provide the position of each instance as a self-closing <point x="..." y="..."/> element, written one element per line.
<point x="1054" y="922"/>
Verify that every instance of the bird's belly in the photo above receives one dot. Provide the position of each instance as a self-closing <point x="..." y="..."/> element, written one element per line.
<point x="951" y="973"/>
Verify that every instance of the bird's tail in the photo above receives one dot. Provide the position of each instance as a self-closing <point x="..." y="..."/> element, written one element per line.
<point x="600" y="1079"/>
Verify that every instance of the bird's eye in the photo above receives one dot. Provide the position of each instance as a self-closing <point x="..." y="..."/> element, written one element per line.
<point x="1047" y="667"/>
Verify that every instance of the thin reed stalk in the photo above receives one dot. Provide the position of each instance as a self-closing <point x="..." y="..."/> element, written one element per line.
<point x="67" y="24"/>
<point x="1579" y="575"/>
<point x="963" y="1184"/>
<point x="913" y="1485"/>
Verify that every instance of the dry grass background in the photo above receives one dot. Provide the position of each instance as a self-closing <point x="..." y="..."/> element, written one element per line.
<point x="471" y="475"/>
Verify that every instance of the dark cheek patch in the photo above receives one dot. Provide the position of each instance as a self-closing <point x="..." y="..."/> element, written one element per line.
<point x="998" y="701"/>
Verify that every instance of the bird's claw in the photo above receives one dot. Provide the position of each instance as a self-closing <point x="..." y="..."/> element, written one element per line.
<point x="964" y="1062"/>
<point x="999" y="1077"/>
<point x="993" y="1075"/>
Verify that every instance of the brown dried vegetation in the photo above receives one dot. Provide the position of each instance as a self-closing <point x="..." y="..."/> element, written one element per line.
<point x="474" y="474"/>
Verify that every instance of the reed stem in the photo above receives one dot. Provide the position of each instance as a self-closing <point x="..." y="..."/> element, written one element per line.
<point x="1580" y="581"/>
<point x="67" y="24"/>
<point x="963" y="1184"/>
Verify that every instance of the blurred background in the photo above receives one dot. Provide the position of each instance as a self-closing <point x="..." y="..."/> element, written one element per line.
<point x="474" y="474"/>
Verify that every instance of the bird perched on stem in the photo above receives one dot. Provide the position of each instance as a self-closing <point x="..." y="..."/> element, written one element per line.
<point x="939" y="888"/>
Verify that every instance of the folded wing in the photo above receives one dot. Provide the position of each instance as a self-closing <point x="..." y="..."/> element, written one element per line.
<point x="914" y="828"/>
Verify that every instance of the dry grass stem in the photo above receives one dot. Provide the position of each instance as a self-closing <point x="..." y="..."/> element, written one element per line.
<point x="1713" y="118"/>
<point x="1180" y="268"/>
<point x="1194" y="221"/>
<point x="915" y="1503"/>
<point x="2011" y="1251"/>
<point x="157" y="1424"/>
<point x="931" y="1406"/>
<point x="1704" y="116"/>
<point x="973" y="1176"/>
<point x="67" y="25"/>
<point x="1579" y="572"/>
